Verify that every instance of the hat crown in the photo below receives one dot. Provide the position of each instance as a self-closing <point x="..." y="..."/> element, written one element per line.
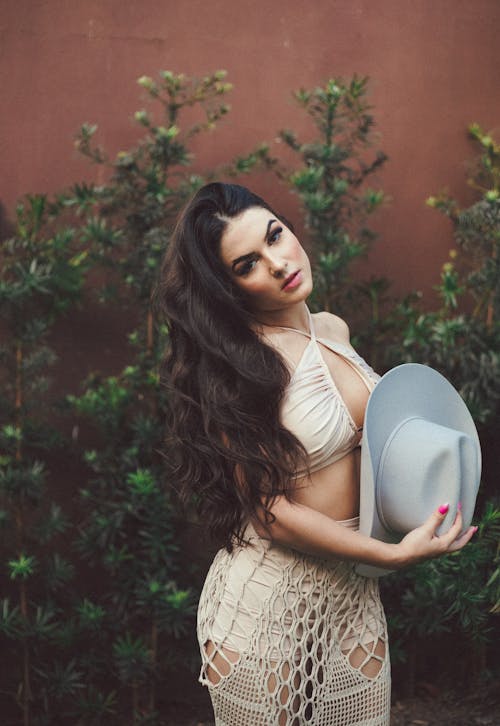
<point x="422" y="465"/>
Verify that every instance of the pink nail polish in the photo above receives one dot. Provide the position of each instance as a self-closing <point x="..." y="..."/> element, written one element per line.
<point x="459" y="506"/>
<point x="444" y="508"/>
<point x="475" y="529"/>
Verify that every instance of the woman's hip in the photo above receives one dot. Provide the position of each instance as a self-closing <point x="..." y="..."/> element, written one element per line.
<point x="262" y="590"/>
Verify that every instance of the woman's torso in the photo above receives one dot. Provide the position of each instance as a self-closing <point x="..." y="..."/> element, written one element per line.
<point x="324" y="406"/>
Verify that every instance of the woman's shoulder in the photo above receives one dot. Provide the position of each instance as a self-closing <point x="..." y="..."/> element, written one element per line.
<point x="328" y="325"/>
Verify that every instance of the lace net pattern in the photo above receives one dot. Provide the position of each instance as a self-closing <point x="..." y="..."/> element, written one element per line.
<point x="289" y="639"/>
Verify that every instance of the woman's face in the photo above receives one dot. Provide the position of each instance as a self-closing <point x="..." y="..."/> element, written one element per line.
<point x="265" y="260"/>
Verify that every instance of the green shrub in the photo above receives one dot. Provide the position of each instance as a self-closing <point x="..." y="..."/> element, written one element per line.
<point x="459" y="593"/>
<point x="97" y="654"/>
<point x="330" y="180"/>
<point x="41" y="279"/>
<point x="128" y="529"/>
<point x="462" y="337"/>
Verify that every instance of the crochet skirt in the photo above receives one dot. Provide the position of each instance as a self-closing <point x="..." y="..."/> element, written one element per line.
<point x="288" y="639"/>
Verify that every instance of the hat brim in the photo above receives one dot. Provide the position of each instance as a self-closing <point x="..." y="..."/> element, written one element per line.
<point x="411" y="389"/>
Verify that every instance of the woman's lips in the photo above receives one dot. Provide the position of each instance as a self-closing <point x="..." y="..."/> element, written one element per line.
<point x="293" y="280"/>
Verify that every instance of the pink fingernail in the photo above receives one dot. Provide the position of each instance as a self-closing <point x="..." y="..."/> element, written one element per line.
<point x="475" y="529"/>
<point x="444" y="508"/>
<point x="459" y="506"/>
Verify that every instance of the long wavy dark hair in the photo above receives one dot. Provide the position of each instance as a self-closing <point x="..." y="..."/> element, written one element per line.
<point x="229" y="451"/>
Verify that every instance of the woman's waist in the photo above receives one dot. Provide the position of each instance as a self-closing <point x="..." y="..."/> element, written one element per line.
<point x="332" y="490"/>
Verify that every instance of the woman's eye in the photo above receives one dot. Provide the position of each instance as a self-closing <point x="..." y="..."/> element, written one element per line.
<point x="245" y="268"/>
<point x="275" y="234"/>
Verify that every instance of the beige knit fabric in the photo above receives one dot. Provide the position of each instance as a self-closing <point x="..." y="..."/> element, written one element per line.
<point x="289" y="639"/>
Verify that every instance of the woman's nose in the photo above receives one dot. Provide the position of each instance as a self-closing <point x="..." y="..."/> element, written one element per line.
<point x="277" y="265"/>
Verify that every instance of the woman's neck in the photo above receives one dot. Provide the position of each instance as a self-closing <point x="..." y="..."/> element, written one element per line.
<point x="295" y="316"/>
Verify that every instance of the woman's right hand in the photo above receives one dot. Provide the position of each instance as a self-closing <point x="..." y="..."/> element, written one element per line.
<point x="423" y="543"/>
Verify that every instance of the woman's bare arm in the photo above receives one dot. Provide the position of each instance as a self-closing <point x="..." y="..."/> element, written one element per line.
<point x="312" y="532"/>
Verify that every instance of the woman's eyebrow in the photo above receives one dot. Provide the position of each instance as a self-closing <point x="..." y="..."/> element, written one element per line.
<point x="266" y="237"/>
<point x="250" y="254"/>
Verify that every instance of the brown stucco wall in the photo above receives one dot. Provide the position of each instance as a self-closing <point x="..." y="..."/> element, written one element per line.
<point x="433" y="64"/>
<point x="434" y="69"/>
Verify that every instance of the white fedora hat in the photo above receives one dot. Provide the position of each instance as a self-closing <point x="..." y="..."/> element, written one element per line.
<point x="420" y="449"/>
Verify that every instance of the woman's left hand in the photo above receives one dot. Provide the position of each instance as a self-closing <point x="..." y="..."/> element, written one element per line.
<point x="423" y="543"/>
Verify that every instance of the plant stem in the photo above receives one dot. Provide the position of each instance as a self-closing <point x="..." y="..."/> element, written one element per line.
<point x="135" y="701"/>
<point x="154" y="656"/>
<point x="19" y="397"/>
<point x="489" y="312"/>
<point x="26" y="689"/>
<point x="150" y="331"/>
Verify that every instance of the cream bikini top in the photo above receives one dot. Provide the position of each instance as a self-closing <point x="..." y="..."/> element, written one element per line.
<point x="312" y="407"/>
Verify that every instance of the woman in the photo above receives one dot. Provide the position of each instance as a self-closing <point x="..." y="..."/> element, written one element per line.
<point x="267" y="414"/>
